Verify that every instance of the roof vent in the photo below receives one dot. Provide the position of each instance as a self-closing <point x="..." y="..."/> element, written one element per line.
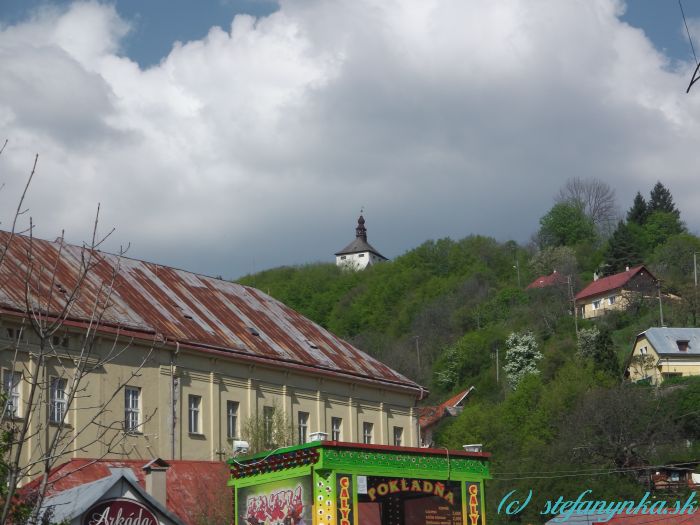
<point x="252" y="331"/>
<point x="312" y="344"/>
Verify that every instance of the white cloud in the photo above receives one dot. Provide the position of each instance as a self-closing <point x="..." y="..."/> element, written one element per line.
<point x="256" y="146"/>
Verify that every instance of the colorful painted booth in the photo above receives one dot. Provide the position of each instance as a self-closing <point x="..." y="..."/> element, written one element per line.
<point x="334" y="483"/>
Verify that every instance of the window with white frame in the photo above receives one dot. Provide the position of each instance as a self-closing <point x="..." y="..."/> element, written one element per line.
<point x="195" y="404"/>
<point x="132" y="409"/>
<point x="10" y="386"/>
<point x="596" y="304"/>
<point x="612" y="299"/>
<point x="303" y="426"/>
<point x="268" y="425"/>
<point x="232" y="419"/>
<point x="367" y="433"/>
<point x="398" y="436"/>
<point x="57" y="399"/>
<point x="337" y="428"/>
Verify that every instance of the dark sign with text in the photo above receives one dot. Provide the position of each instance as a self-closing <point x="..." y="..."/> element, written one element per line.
<point x="344" y="490"/>
<point x="119" y="512"/>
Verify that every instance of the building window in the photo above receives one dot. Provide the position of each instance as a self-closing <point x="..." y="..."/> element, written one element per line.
<point x="682" y="345"/>
<point x="337" y="428"/>
<point x="367" y="433"/>
<point x="596" y="304"/>
<point x="611" y="299"/>
<point x="643" y="350"/>
<point x="57" y="400"/>
<point x="361" y="255"/>
<point x="342" y="257"/>
<point x="195" y="404"/>
<point x="303" y="419"/>
<point x="132" y="409"/>
<point x="398" y="436"/>
<point x="10" y="386"/>
<point x="268" y="424"/>
<point x="232" y="419"/>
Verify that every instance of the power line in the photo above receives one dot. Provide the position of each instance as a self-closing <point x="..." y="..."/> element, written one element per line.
<point x="688" y="31"/>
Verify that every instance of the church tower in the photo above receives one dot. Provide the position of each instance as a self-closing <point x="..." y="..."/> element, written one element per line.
<point x="359" y="254"/>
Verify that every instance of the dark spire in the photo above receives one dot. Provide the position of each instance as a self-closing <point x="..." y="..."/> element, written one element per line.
<point x="361" y="231"/>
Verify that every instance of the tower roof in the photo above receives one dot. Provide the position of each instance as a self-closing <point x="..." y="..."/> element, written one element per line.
<point x="360" y="244"/>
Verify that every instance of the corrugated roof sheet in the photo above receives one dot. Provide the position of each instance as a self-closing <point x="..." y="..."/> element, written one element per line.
<point x="611" y="282"/>
<point x="665" y="340"/>
<point x="155" y="301"/>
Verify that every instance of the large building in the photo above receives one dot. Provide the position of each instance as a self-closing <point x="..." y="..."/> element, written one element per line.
<point x="359" y="254"/>
<point x="663" y="353"/>
<point x="178" y="365"/>
<point x="615" y="292"/>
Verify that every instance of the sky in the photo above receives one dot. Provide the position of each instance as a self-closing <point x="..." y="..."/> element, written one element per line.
<point x="231" y="136"/>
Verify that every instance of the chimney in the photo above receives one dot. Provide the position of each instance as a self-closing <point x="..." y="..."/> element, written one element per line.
<point x="627" y="268"/>
<point x="595" y="276"/>
<point x="156" y="471"/>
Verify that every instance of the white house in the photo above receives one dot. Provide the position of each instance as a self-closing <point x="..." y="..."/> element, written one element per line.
<point x="359" y="254"/>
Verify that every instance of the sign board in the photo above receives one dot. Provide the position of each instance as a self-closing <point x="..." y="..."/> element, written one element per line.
<point x="119" y="511"/>
<point x="284" y="502"/>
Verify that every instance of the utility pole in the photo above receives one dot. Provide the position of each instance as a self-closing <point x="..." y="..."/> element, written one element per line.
<point x="570" y="287"/>
<point x="417" y="337"/>
<point x="661" y="308"/>
<point x="517" y="268"/>
<point x="497" y="380"/>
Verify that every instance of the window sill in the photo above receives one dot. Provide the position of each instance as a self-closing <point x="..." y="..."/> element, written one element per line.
<point x="57" y="424"/>
<point x="197" y="435"/>
<point x="133" y="433"/>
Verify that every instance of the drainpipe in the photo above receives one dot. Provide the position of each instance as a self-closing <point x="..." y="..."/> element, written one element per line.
<point x="173" y="414"/>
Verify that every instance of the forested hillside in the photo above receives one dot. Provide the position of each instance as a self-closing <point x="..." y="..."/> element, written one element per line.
<point x="561" y="418"/>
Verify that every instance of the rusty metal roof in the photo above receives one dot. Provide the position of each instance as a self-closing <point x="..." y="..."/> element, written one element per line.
<point x="155" y="301"/>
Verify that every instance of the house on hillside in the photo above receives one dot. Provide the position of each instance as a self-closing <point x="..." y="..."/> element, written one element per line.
<point x="614" y="292"/>
<point x="179" y="363"/>
<point x="661" y="353"/>
<point x="359" y="254"/>
<point x="430" y="416"/>
<point x="545" y="281"/>
<point x="155" y="492"/>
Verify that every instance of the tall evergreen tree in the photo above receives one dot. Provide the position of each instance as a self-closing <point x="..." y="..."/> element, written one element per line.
<point x="639" y="211"/>
<point x="624" y="248"/>
<point x="660" y="199"/>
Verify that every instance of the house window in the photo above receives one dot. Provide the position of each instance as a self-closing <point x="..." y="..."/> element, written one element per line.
<point x="132" y="410"/>
<point x="336" y="428"/>
<point x="268" y="424"/>
<point x="342" y="257"/>
<point x="194" y="404"/>
<point x="398" y="436"/>
<point x="57" y="399"/>
<point x="643" y="350"/>
<point x="682" y="345"/>
<point x="596" y="304"/>
<point x="361" y="255"/>
<point x="303" y="419"/>
<point x="60" y="341"/>
<point x="611" y="299"/>
<point x="231" y="419"/>
<point x="10" y="386"/>
<point x="367" y="433"/>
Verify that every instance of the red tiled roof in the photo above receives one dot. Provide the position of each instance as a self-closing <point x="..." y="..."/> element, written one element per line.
<point x="196" y="490"/>
<point x="612" y="282"/>
<point x="430" y="415"/>
<point x="160" y="303"/>
<point x="547" y="280"/>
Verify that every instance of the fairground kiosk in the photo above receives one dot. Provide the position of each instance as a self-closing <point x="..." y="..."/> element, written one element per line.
<point x="334" y="483"/>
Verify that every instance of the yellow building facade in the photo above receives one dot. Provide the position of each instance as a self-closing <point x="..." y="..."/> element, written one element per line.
<point x="662" y="353"/>
<point x="181" y="365"/>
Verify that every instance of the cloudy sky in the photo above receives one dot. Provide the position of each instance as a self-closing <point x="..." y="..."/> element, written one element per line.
<point x="235" y="135"/>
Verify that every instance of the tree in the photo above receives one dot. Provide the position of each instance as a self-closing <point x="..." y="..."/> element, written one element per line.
<point x="595" y="197"/>
<point x="566" y="224"/>
<point x="55" y="374"/>
<point x="559" y="258"/>
<point x="660" y="226"/>
<point x="660" y="199"/>
<point x="522" y="357"/>
<point x="639" y="211"/>
<point x="268" y="430"/>
<point x="625" y="248"/>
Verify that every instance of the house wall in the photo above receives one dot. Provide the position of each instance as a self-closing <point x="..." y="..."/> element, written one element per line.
<point x="654" y="367"/>
<point x="357" y="261"/>
<point x="216" y="380"/>
<point x="598" y="305"/>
